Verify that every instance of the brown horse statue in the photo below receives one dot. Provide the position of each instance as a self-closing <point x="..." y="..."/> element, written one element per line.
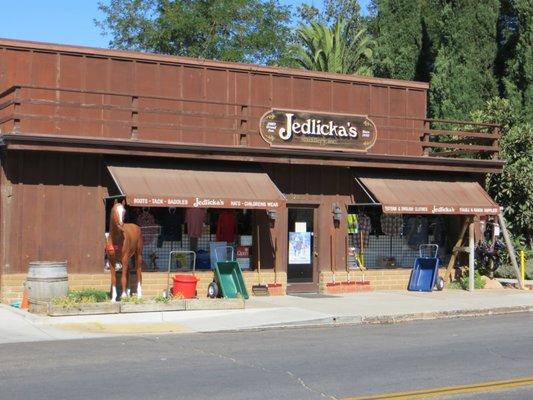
<point x="123" y="243"/>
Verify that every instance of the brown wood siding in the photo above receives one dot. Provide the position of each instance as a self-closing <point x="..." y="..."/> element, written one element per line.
<point x="315" y="186"/>
<point x="179" y="102"/>
<point x="54" y="211"/>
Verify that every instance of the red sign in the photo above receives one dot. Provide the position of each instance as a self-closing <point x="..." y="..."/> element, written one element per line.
<point x="243" y="251"/>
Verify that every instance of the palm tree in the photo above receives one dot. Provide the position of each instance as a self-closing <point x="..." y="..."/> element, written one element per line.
<point x="331" y="49"/>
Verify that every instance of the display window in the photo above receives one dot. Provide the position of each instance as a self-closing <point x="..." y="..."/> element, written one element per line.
<point x="182" y="237"/>
<point x="379" y="240"/>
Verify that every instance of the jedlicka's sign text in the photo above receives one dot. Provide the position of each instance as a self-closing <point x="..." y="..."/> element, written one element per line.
<point x="287" y="128"/>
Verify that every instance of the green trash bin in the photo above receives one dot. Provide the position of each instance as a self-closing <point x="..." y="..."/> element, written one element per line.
<point x="230" y="280"/>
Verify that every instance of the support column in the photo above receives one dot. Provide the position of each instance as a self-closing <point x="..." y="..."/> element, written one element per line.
<point x="471" y="256"/>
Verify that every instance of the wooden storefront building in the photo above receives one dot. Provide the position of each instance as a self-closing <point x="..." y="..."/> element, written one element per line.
<point x="78" y="125"/>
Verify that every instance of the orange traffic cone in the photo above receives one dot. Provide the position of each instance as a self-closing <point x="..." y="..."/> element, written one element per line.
<point x="24" y="305"/>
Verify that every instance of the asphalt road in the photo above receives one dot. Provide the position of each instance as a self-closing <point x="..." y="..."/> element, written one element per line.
<point x="317" y="363"/>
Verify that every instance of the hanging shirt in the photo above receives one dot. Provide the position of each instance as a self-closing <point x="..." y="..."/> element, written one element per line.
<point x="353" y="227"/>
<point x="226" y="227"/>
<point x="391" y="224"/>
<point x="194" y="218"/>
<point x="418" y="231"/>
<point x="439" y="234"/>
<point x="171" y="221"/>
<point x="149" y="227"/>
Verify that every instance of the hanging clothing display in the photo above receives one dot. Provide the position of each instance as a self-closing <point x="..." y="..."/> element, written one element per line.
<point x="439" y="233"/>
<point x="194" y="218"/>
<point x="353" y="227"/>
<point x="391" y="224"/>
<point x="226" y="227"/>
<point x="171" y="221"/>
<point x="148" y="225"/>
<point x="364" y="225"/>
<point x="417" y="231"/>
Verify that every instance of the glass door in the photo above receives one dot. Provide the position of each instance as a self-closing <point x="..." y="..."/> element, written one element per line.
<point x="300" y="269"/>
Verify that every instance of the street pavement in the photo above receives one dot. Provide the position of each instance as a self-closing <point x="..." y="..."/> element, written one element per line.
<point x="329" y="362"/>
<point x="268" y="312"/>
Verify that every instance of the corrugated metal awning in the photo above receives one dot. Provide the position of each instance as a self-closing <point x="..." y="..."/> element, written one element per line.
<point x="167" y="187"/>
<point x="419" y="196"/>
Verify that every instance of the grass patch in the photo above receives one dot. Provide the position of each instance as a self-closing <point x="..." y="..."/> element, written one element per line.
<point x="82" y="296"/>
<point x="132" y="299"/>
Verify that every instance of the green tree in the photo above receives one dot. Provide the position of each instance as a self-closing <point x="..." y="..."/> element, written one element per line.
<point x="513" y="189"/>
<point x="463" y="75"/>
<point x="333" y="11"/>
<point x="231" y="30"/>
<point x="516" y="41"/>
<point x="333" y="50"/>
<point x="397" y="27"/>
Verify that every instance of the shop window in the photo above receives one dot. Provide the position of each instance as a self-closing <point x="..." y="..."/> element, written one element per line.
<point x="166" y="230"/>
<point x="391" y="241"/>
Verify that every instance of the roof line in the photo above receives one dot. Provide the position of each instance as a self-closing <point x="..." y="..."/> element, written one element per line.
<point x="80" y="140"/>
<point x="199" y="62"/>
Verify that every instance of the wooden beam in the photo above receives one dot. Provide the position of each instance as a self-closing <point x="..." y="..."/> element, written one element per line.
<point x="461" y="146"/>
<point x="479" y="135"/>
<point x="455" y="251"/>
<point x="511" y="251"/>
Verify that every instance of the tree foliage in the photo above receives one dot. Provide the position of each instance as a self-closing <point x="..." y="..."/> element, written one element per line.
<point x="513" y="189"/>
<point x="463" y="75"/>
<point x="516" y="55"/>
<point x="397" y="26"/>
<point x="332" y="49"/>
<point x="232" y="30"/>
<point x="333" y="11"/>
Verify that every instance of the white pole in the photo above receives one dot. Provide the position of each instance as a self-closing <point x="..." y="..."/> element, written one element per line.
<point x="471" y="257"/>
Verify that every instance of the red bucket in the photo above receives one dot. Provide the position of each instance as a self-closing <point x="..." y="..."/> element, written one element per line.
<point x="184" y="285"/>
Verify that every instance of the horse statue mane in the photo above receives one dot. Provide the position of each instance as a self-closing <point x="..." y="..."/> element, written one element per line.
<point x="123" y="243"/>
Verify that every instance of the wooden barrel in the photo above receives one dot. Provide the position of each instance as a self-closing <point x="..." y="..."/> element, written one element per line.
<point x="46" y="280"/>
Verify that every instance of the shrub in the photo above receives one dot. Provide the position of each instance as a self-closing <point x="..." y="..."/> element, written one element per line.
<point x="160" y="298"/>
<point x="462" y="283"/>
<point x="507" y="270"/>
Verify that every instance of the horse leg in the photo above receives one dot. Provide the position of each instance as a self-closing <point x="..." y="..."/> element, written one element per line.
<point x="138" y="265"/>
<point x="113" y="283"/>
<point x="138" y="272"/>
<point x="124" y="277"/>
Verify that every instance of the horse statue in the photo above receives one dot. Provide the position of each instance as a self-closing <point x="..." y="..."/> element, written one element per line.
<point x="123" y="243"/>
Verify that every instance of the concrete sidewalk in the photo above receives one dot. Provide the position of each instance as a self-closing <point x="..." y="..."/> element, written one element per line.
<point x="265" y="312"/>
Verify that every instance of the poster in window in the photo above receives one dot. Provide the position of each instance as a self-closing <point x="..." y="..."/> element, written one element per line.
<point x="299" y="247"/>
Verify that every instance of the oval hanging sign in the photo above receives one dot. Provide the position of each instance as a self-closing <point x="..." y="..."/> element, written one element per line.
<point x="319" y="131"/>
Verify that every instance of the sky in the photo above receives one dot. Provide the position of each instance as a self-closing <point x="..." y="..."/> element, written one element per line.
<point x="67" y="21"/>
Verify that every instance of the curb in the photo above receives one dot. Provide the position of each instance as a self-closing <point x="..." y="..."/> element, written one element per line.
<point x="384" y="319"/>
<point x="392" y="319"/>
<point x="346" y="320"/>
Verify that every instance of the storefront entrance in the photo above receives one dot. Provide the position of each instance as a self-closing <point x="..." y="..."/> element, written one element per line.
<point x="301" y="268"/>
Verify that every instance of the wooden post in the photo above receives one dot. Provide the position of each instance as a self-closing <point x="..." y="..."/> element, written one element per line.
<point x="455" y="250"/>
<point x="426" y="138"/>
<point x="510" y="250"/>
